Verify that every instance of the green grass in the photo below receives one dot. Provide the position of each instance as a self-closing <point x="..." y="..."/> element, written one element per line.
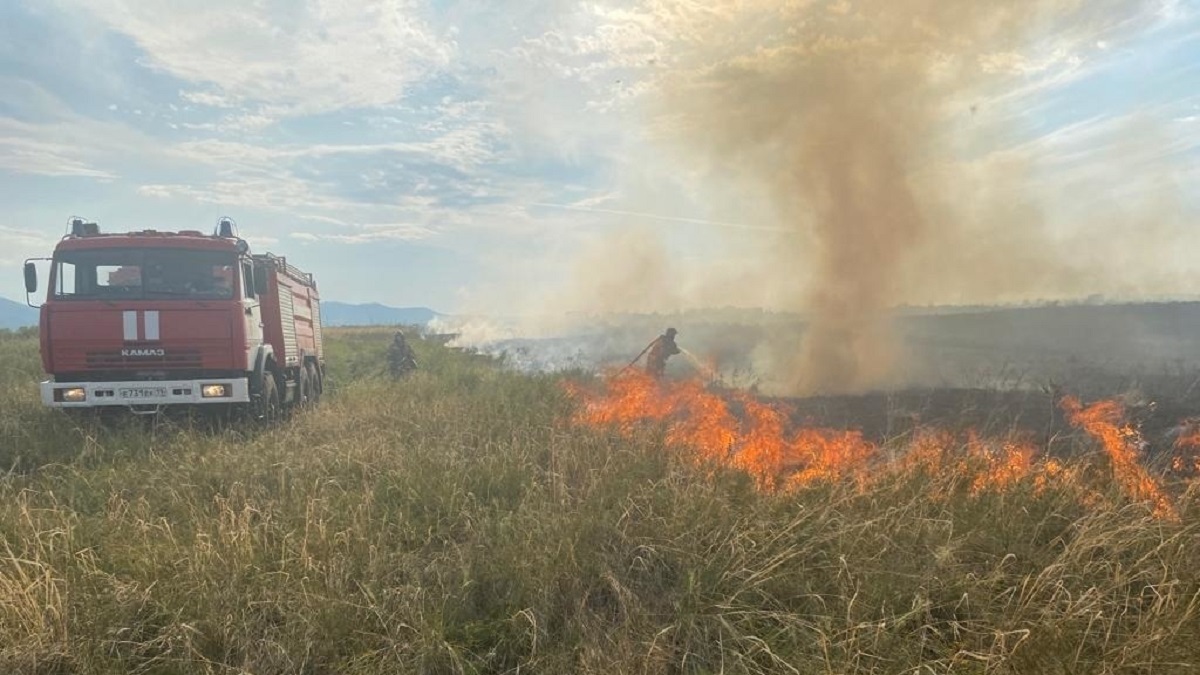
<point x="455" y="522"/>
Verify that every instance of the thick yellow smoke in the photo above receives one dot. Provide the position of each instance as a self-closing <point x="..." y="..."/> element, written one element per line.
<point x="842" y="111"/>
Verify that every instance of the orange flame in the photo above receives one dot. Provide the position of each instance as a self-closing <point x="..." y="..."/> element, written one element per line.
<point x="928" y="452"/>
<point x="757" y="437"/>
<point x="1005" y="463"/>
<point x="757" y="442"/>
<point x="763" y="451"/>
<point x="826" y="455"/>
<point x="1186" y="461"/>
<point x="1105" y="421"/>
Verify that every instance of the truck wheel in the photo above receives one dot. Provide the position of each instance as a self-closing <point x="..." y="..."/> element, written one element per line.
<point x="314" y="383"/>
<point x="304" y="397"/>
<point x="269" y="411"/>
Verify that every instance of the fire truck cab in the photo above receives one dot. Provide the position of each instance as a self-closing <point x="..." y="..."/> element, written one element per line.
<point x="152" y="319"/>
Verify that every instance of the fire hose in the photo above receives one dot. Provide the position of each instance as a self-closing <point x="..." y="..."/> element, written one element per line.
<point x="639" y="357"/>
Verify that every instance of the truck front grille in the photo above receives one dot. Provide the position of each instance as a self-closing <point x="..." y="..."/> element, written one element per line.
<point x="175" y="358"/>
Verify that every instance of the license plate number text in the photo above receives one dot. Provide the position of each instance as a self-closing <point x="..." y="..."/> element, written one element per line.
<point x="144" y="392"/>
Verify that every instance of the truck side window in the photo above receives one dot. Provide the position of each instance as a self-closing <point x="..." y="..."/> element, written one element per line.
<point x="247" y="280"/>
<point x="64" y="283"/>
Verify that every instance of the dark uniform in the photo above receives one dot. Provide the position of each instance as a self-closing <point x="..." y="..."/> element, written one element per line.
<point x="401" y="359"/>
<point x="663" y="348"/>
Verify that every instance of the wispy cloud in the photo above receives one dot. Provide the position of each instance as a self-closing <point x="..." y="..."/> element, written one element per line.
<point x="290" y="59"/>
<point x="583" y="207"/>
<point x="371" y="233"/>
<point x="463" y="148"/>
<point x="46" y="158"/>
<point x="23" y="237"/>
<point x="208" y="99"/>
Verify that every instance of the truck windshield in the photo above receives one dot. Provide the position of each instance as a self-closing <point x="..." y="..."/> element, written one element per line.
<point x="142" y="274"/>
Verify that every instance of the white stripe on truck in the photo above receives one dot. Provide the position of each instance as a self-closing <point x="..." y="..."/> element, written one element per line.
<point x="130" y="323"/>
<point x="151" y="324"/>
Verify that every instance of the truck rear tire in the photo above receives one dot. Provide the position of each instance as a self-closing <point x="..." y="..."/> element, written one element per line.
<point x="304" y="394"/>
<point x="314" y="383"/>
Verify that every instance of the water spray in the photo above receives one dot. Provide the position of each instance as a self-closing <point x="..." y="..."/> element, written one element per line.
<point x="700" y="365"/>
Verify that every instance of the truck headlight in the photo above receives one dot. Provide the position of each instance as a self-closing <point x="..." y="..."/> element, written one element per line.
<point x="214" y="391"/>
<point x="72" y="395"/>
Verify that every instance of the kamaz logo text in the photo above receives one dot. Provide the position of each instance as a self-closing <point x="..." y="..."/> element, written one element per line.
<point x="143" y="352"/>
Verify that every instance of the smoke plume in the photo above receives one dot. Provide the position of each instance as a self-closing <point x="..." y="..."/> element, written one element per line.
<point x="845" y="112"/>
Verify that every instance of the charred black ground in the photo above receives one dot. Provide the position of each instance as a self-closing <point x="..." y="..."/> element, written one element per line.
<point x="1034" y="415"/>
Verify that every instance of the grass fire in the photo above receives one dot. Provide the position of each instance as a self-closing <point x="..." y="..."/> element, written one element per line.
<point x="471" y="518"/>
<point x="758" y="437"/>
<point x="907" y="287"/>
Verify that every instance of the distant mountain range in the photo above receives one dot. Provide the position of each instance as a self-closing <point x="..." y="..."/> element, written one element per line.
<point x="16" y="315"/>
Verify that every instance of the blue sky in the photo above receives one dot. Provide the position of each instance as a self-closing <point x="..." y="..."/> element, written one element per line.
<point x="463" y="154"/>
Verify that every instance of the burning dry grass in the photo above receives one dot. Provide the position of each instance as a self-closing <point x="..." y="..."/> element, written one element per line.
<point x="756" y="437"/>
<point x="459" y="524"/>
<point x="1186" y="460"/>
<point x="1122" y="443"/>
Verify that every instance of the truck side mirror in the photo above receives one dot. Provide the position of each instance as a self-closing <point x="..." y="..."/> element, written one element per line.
<point x="260" y="282"/>
<point x="31" y="280"/>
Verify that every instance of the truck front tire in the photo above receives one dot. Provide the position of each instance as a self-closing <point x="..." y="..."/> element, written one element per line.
<point x="269" y="409"/>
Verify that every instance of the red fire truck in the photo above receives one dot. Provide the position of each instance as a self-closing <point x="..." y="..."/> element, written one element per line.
<point x="151" y="319"/>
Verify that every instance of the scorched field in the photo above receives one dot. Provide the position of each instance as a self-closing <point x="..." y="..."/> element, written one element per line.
<point x="470" y="519"/>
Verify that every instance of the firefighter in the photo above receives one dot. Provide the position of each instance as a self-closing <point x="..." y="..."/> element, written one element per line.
<point x="661" y="349"/>
<point x="401" y="359"/>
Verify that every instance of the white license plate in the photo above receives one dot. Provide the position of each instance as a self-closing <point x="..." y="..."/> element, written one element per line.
<point x="144" y="392"/>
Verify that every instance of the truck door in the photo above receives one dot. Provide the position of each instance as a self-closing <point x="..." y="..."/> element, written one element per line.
<point x="251" y="313"/>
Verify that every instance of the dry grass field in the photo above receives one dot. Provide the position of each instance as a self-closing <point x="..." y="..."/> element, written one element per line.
<point x="470" y="519"/>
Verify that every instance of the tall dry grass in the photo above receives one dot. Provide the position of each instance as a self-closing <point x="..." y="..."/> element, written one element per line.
<point x="455" y="522"/>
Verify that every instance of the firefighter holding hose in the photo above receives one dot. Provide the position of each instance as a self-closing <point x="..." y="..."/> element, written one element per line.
<point x="659" y="351"/>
